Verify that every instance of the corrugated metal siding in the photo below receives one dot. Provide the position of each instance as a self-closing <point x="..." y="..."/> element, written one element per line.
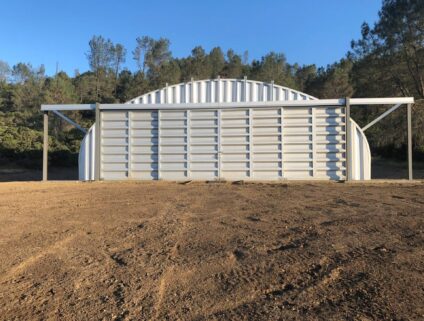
<point x="86" y="157"/>
<point x="240" y="143"/>
<point x="144" y="145"/>
<point x="114" y="144"/>
<point x="220" y="90"/>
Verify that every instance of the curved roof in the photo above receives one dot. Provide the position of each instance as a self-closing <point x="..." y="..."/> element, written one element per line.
<point x="220" y="90"/>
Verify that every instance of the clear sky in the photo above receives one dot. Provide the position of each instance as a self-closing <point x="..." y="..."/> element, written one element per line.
<point x="306" y="31"/>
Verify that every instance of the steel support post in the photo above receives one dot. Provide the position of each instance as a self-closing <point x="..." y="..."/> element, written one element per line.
<point x="409" y="117"/>
<point x="45" y="144"/>
<point x="97" y="140"/>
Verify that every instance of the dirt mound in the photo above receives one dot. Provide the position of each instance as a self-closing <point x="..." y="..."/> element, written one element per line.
<point x="198" y="251"/>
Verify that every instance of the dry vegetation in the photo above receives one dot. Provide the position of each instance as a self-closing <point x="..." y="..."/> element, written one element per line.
<point x="217" y="251"/>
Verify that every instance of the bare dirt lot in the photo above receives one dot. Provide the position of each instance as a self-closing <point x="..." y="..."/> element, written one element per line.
<point x="217" y="251"/>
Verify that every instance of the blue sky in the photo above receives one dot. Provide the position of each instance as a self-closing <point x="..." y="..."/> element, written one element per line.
<point x="306" y="31"/>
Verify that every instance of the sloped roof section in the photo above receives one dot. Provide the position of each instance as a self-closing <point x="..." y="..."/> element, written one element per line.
<point x="219" y="91"/>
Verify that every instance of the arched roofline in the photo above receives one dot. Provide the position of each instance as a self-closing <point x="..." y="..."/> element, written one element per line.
<point x="153" y="93"/>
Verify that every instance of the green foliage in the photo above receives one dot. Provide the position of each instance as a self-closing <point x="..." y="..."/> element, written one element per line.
<point x="22" y="145"/>
<point x="332" y="82"/>
<point x="388" y="60"/>
<point x="274" y="67"/>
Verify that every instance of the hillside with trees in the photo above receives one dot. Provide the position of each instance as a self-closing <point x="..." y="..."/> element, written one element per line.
<point x="388" y="60"/>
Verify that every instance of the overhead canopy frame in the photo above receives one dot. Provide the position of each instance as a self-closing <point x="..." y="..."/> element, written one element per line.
<point x="300" y="103"/>
<point x="345" y="102"/>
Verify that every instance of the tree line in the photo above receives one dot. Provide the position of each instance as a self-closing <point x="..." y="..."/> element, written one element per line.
<point x="388" y="60"/>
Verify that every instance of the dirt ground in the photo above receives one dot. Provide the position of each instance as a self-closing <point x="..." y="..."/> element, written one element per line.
<point x="211" y="251"/>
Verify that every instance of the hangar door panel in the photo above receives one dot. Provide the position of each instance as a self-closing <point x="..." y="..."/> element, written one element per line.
<point x="144" y="145"/>
<point x="114" y="140"/>
<point x="236" y="143"/>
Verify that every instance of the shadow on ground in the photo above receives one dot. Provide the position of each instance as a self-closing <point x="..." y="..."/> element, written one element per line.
<point x="390" y="169"/>
<point x="381" y="169"/>
<point x="25" y="174"/>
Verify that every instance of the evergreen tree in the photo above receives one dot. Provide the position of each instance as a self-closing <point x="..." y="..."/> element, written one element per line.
<point x="100" y="57"/>
<point x="217" y="62"/>
<point x="274" y="67"/>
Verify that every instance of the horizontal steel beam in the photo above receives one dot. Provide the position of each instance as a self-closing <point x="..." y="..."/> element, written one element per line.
<point x="290" y="103"/>
<point x="382" y="101"/>
<point x="222" y="105"/>
<point x="66" y="107"/>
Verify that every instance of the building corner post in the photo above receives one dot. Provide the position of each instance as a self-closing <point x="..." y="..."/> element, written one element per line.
<point x="45" y="144"/>
<point x="348" y="140"/>
<point x="97" y="145"/>
<point x="409" y="120"/>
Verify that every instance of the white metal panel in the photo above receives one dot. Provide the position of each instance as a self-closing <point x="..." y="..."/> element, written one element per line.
<point x="361" y="154"/>
<point x="86" y="157"/>
<point x="227" y="144"/>
<point x="279" y="141"/>
<point x="144" y="144"/>
<point x="173" y="133"/>
<point x="329" y="136"/>
<point x="221" y="90"/>
<point x="234" y="135"/>
<point x="204" y="147"/>
<point x="114" y="138"/>
<point x="266" y="139"/>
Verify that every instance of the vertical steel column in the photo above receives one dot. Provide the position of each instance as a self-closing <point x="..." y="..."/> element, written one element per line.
<point x="158" y="143"/>
<point x="218" y="143"/>
<point x="250" y="111"/>
<point x="409" y="118"/>
<point x="348" y="140"/>
<point x="188" y="143"/>
<point x="45" y="144"/>
<point x="282" y="142"/>
<point x="129" y="137"/>
<point x="97" y="162"/>
<point x="314" y="144"/>
<point x="218" y="126"/>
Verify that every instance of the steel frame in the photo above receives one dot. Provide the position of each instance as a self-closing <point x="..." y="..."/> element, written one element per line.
<point x="343" y="102"/>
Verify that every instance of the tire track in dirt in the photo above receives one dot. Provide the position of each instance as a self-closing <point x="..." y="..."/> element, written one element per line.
<point x="33" y="259"/>
<point x="182" y="215"/>
<point x="161" y="291"/>
<point x="213" y="252"/>
<point x="160" y="225"/>
<point x="140" y="252"/>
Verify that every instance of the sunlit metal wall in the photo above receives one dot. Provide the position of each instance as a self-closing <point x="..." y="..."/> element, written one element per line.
<point x="220" y="90"/>
<point x="240" y="143"/>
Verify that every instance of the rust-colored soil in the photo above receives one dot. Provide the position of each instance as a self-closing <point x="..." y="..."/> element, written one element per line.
<point x="217" y="251"/>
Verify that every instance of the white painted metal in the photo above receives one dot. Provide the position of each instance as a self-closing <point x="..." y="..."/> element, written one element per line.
<point x="227" y="129"/>
<point x="220" y="90"/>
<point x="381" y="101"/>
<point x="69" y="107"/>
<point x="70" y="121"/>
<point x="144" y="148"/>
<point x="86" y="164"/>
<point x="114" y="144"/>
<point x="224" y="105"/>
<point x="361" y="154"/>
<point x="287" y="96"/>
<point x="387" y="112"/>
